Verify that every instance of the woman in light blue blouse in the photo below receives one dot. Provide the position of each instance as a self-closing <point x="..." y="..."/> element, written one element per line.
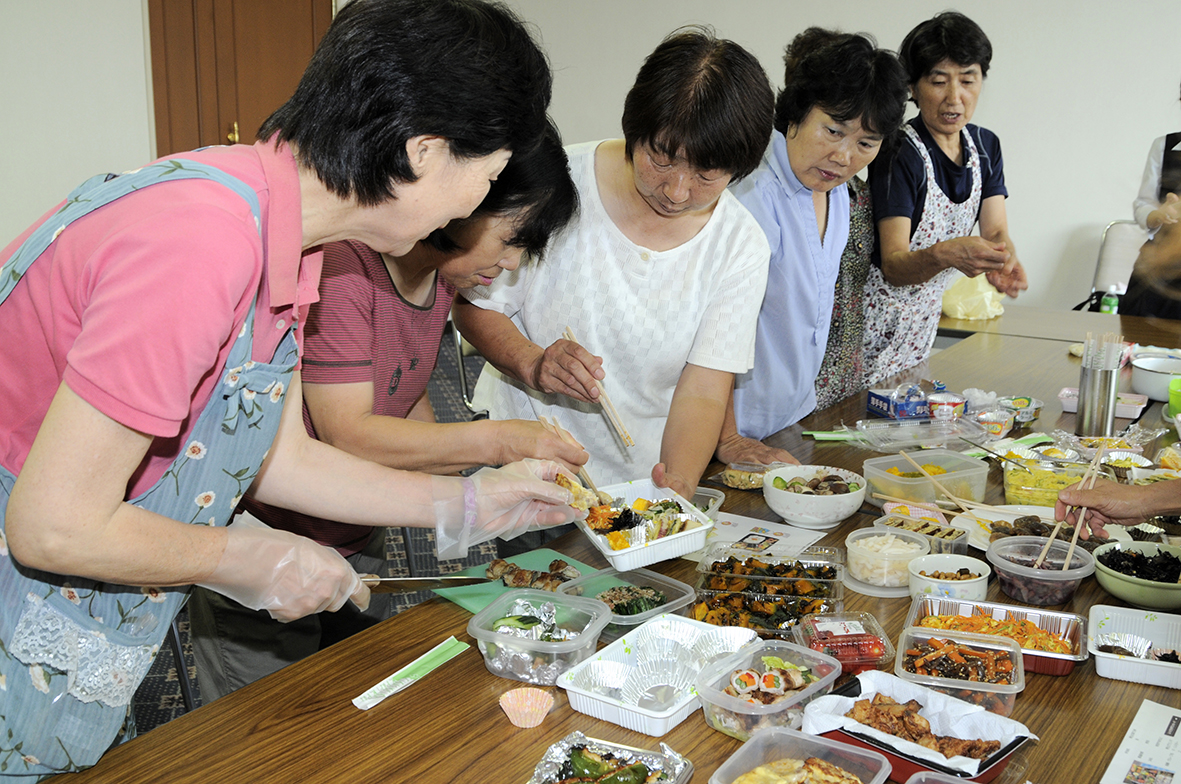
<point x="842" y="99"/>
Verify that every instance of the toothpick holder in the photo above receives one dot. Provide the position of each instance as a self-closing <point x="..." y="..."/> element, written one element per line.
<point x="1097" y="393"/>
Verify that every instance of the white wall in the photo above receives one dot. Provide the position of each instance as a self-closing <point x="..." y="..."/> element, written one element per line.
<point x="1077" y="92"/>
<point x="74" y="100"/>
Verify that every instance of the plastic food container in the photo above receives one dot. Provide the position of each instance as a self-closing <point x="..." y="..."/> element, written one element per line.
<point x="687" y="541"/>
<point x="882" y="573"/>
<point x="1039" y="485"/>
<point x="940" y="538"/>
<point x="678" y="596"/>
<point x="739" y="718"/>
<point x="974" y="589"/>
<point x="1127" y="406"/>
<point x="997" y="422"/>
<point x="776" y="743"/>
<point x="1069" y="626"/>
<point x="727" y="598"/>
<point x="855" y="639"/>
<point x="1025" y="409"/>
<point x="997" y="698"/>
<point x="966" y="477"/>
<point x="709" y="501"/>
<point x="1163" y="629"/>
<point x="1013" y="558"/>
<point x="536" y="661"/>
<point x="1147" y="594"/>
<point x="893" y="435"/>
<point x="644" y="680"/>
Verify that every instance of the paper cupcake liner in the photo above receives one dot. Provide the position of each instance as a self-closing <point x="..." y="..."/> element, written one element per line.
<point x="657" y="685"/>
<point x="526" y="707"/>
<point x="667" y="628"/>
<point x="721" y="642"/>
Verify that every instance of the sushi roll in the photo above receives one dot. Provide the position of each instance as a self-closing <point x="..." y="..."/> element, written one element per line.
<point x="773" y="682"/>
<point x="744" y="681"/>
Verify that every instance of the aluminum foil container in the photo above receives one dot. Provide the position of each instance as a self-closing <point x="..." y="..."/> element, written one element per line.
<point x="1118" y="642"/>
<point x="549" y="770"/>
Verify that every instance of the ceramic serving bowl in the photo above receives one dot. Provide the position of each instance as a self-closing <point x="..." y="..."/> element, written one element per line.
<point x="1151" y="376"/>
<point x="973" y="590"/>
<point x="812" y="511"/>
<point x="1147" y="594"/>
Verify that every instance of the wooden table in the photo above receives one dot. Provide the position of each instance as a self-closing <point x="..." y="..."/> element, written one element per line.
<point x="299" y="725"/>
<point x="1069" y="325"/>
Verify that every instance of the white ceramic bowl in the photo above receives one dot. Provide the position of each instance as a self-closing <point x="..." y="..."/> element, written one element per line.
<point x="1151" y="376"/>
<point x="812" y="511"/>
<point x="975" y="590"/>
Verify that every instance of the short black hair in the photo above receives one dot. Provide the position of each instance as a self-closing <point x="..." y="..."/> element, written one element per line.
<point x="387" y="71"/>
<point x="847" y="76"/>
<point x="535" y="189"/>
<point x="701" y="98"/>
<point x="946" y="36"/>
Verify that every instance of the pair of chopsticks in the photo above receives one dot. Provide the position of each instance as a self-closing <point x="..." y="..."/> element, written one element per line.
<point x="966" y="506"/>
<point x="1091" y="474"/>
<point x="608" y="406"/>
<point x="562" y="433"/>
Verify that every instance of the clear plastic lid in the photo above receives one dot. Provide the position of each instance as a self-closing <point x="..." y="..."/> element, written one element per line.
<point x="855" y="639"/>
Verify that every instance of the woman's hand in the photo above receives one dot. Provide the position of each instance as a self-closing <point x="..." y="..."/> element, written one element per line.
<point x="1112" y="503"/>
<point x="973" y="255"/>
<point x="740" y="449"/>
<point x="568" y="368"/>
<point x="517" y="439"/>
<point x="1010" y="283"/>
<point x="662" y="477"/>
<point x="1167" y="213"/>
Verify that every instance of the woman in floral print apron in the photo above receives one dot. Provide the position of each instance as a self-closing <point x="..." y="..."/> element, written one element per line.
<point x="232" y="231"/>
<point x="946" y="175"/>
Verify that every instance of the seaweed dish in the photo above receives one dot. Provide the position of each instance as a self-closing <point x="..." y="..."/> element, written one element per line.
<point x="1163" y="567"/>
<point x="632" y="599"/>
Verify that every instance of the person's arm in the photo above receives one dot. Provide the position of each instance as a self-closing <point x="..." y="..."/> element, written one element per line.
<point x="736" y="448"/>
<point x="563" y="367"/>
<point x="1110" y="503"/>
<point x="994" y="227"/>
<point x="691" y="432"/>
<point x="1146" y="202"/>
<point x="67" y="515"/>
<point x="904" y="267"/>
<point x="343" y="417"/>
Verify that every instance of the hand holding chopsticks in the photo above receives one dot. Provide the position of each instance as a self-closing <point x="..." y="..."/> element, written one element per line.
<point x="562" y="433"/>
<point x="1092" y="473"/>
<point x="608" y="407"/>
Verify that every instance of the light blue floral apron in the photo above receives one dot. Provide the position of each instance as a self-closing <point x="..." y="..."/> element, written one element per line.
<point x="73" y="651"/>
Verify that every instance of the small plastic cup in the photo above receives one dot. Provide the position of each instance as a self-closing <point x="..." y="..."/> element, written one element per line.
<point x="1174" y="396"/>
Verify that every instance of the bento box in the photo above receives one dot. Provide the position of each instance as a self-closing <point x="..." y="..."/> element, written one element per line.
<point x="604" y="758"/>
<point x="644" y="680"/>
<point x="1069" y="627"/>
<point x="966" y="477"/>
<point x="776" y="743"/>
<point x="531" y="660"/>
<point x="767" y="593"/>
<point x="1162" y="629"/>
<point x="948" y="717"/>
<point x="697" y="526"/>
<point x="941" y="538"/>
<point x="775" y="680"/>
<point x="629" y="595"/>
<point x="943" y="661"/>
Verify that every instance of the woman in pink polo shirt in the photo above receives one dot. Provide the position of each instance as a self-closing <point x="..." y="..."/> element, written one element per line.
<point x="152" y="328"/>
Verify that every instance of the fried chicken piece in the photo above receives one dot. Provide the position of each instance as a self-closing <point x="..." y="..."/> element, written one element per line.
<point x="498" y="568"/>
<point x="520" y="578"/>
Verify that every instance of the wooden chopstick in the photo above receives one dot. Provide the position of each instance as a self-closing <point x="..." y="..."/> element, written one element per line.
<point x="896" y="499"/>
<point x="608" y="407"/>
<point x="1082" y="517"/>
<point x="1091" y="473"/>
<point x="561" y="433"/>
<point x="959" y="502"/>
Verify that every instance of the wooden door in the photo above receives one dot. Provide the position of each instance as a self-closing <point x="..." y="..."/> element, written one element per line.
<point x="218" y="65"/>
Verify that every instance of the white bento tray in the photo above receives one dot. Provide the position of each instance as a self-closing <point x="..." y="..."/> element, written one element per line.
<point x="1163" y="629"/>
<point x="683" y="543"/>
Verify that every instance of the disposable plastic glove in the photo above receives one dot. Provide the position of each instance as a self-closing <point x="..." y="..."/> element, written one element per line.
<point x="498" y="502"/>
<point x="289" y="576"/>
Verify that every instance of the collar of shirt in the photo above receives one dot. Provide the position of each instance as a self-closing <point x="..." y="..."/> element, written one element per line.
<point x="293" y="276"/>
<point x="777" y="161"/>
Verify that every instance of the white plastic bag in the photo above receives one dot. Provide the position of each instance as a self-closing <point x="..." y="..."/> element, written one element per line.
<point x="972" y="298"/>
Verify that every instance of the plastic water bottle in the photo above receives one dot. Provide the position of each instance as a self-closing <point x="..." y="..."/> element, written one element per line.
<point x="1110" y="301"/>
